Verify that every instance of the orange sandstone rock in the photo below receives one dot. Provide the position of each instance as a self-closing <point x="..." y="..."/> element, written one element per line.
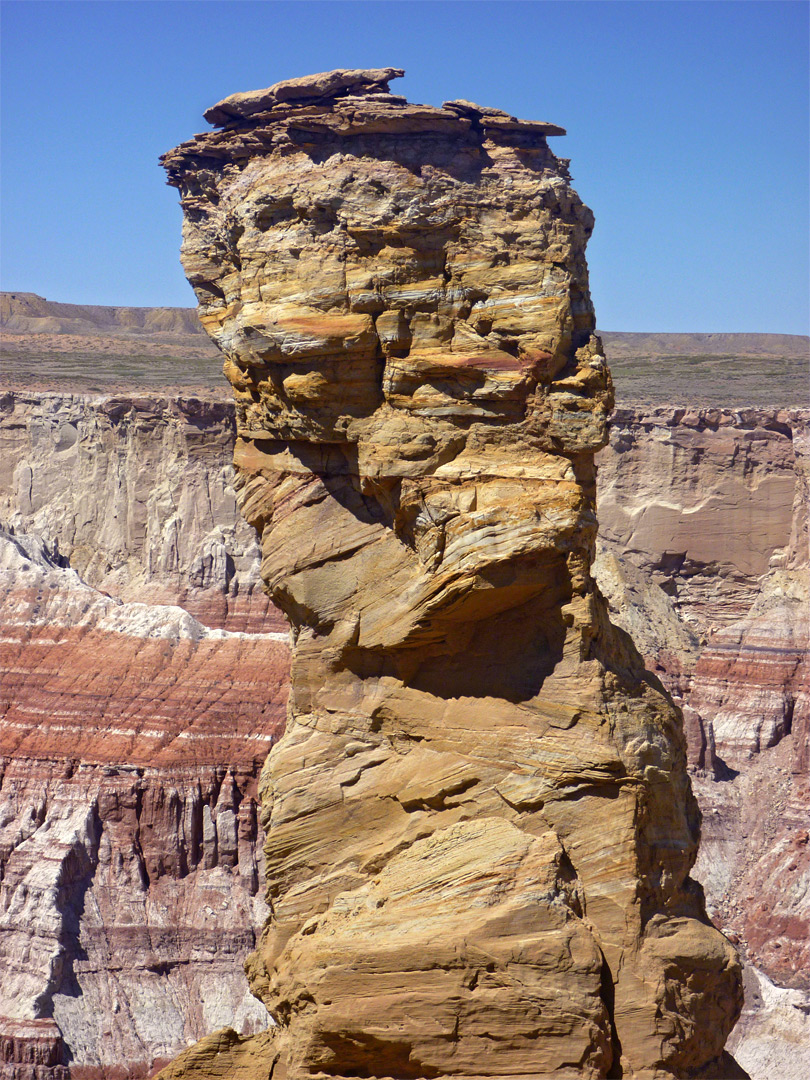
<point x="479" y="822"/>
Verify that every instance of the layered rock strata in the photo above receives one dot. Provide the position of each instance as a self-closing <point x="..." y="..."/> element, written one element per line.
<point x="739" y="667"/>
<point x="746" y="818"/>
<point x="131" y="734"/>
<point x="135" y="492"/>
<point x="752" y="817"/>
<point x="131" y="738"/>
<point x="710" y="505"/>
<point x="479" y="823"/>
<point x="704" y="499"/>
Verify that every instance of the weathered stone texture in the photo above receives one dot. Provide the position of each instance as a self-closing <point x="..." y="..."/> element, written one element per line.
<point x="134" y="491"/>
<point x="758" y="816"/>
<point x="131" y="733"/>
<point x="711" y="506"/>
<point x="131" y="738"/>
<point x="479" y="824"/>
<point x="711" y="492"/>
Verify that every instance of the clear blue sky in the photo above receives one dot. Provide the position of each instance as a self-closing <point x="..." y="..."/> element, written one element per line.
<point x="688" y="133"/>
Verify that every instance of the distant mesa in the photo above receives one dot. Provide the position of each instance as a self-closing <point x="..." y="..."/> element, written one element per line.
<point x="640" y="345"/>
<point x="87" y="347"/>
<point x="29" y="313"/>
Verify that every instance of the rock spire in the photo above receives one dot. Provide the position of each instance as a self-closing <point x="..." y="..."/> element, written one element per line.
<point x="479" y="823"/>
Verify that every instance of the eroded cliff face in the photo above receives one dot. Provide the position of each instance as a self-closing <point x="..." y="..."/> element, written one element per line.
<point x="704" y="500"/>
<point x="755" y="817"/>
<point x="713" y="504"/>
<point x="135" y="492"/>
<point x="479" y="824"/>
<point x="131" y="734"/>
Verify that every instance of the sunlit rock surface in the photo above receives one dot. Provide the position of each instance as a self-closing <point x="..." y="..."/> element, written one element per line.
<point x="134" y="491"/>
<point x="745" y="817"/>
<point x="758" y="815"/>
<point x="479" y="822"/>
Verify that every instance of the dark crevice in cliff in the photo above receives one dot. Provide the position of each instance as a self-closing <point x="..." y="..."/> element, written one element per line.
<point x="608" y="994"/>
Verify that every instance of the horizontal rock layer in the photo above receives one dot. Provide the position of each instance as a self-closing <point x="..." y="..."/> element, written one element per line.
<point x="711" y="491"/>
<point x="134" y="491"/>
<point x="123" y="836"/>
<point x="739" y="668"/>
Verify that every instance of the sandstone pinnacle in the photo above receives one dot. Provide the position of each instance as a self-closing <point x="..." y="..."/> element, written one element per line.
<point x="479" y="825"/>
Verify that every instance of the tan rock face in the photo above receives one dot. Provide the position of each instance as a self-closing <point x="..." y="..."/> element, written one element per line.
<point x="479" y="825"/>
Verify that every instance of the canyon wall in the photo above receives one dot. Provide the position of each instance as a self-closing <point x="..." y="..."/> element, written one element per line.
<point x="479" y="826"/>
<point x="135" y="491"/>
<point x="704" y="559"/>
<point x="746" y="817"/>
<point x="132" y="733"/>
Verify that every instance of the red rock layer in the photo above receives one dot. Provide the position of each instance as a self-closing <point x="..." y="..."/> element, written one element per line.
<point x="131" y="738"/>
<point x="177" y="703"/>
<point x="31" y="1050"/>
<point x="751" y="680"/>
<point x="739" y="480"/>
